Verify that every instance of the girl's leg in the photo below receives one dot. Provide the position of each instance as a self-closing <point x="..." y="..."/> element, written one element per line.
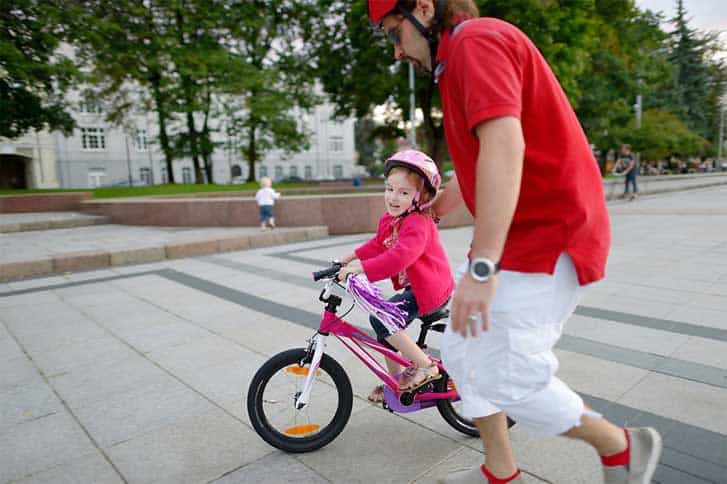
<point x="402" y="342"/>
<point x="271" y="221"/>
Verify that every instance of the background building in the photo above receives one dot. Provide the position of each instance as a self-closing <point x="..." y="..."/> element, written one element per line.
<point x="98" y="154"/>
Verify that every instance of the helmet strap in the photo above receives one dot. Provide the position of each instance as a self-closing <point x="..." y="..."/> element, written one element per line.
<point x="429" y="34"/>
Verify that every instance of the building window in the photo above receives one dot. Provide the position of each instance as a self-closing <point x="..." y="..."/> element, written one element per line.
<point x="145" y="176"/>
<point x="337" y="171"/>
<point x="90" y="106"/>
<point x="278" y="172"/>
<point x="293" y="171"/>
<point x="93" y="139"/>
<point x="308" y="172"/>
<point x="263" y="171"/>
<point x="335" y="144"/>
<point x="164" y="175"/>
<point x="186" y="175"/>
<point x="96" y="178"/>
<point x="140" y="140"/>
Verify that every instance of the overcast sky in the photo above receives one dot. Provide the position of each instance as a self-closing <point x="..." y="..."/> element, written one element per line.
<point x="704" y="14"/>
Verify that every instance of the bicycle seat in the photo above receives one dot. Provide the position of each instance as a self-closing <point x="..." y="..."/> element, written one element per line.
<point x="434" y="316"/>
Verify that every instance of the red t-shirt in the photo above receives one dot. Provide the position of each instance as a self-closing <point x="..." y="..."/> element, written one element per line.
<point x="488" y="69"/>
<point x="413" y="256"/>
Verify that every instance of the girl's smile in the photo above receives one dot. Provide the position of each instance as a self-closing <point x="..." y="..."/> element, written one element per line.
<point x="399" y="193"/>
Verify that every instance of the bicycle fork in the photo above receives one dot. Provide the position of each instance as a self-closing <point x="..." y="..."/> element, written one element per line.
<point x="316" y="346"/>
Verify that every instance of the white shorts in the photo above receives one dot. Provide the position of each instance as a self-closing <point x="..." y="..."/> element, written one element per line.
<point x="511" y="366"/>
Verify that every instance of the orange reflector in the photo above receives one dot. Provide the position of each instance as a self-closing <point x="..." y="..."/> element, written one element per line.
<point x="300" y="370"/>
<point x="301" y="429"/>
<point x="450" y="386"/>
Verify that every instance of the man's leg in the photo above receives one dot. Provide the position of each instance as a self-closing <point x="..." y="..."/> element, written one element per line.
<point x="495" y="437"/>
<point x="604" y="436"/>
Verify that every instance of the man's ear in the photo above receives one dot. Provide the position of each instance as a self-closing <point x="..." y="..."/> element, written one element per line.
<point x="425" y="9"/>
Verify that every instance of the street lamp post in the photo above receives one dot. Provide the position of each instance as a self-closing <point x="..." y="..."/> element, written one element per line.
<point x="412" y="109"/>
<point x="718" y="164"/>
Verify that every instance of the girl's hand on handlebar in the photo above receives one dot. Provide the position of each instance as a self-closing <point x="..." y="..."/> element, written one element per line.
<point x="345" y="260"/>
<point x="350" y="268"/>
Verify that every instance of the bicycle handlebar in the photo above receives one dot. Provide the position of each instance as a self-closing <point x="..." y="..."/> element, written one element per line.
<point x="322" y="274"/>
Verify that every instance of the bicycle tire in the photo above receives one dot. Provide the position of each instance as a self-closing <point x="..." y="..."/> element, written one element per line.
<point x="288" y="443"/>
<point x="450" y="414"/>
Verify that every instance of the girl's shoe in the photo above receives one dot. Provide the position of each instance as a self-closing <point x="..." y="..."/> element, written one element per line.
<point x="415" y="376"/>
<point x="377" y="394"/>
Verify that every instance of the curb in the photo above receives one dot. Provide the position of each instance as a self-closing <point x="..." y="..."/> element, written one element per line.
<point x="87" y="260"/>
<point x="644" y="190"/>
<point x="53" y="224"/>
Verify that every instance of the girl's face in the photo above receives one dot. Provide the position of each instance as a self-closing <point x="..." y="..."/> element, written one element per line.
<point x="399" y="192"/>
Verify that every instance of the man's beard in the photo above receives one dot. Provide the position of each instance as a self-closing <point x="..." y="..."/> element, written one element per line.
<point x="418" y="66"/>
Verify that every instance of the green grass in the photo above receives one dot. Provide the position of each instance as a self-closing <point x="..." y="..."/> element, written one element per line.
<point x="117" y="192"/>
<point x="8" y="191"/>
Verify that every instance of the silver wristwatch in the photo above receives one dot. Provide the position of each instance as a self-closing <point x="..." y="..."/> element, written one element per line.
<point x="481" y="269"/>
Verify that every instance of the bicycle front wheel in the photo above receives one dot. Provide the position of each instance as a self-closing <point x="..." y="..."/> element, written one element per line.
<point x="271" y="402"/>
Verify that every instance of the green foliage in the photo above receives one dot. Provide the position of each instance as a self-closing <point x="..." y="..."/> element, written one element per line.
<point x="662" y="134"/>
<point x="199" y="62"/>
<point x="33" y="77"/>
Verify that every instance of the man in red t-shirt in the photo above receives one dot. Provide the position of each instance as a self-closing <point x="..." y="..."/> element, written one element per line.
<point x="525" y="171"/>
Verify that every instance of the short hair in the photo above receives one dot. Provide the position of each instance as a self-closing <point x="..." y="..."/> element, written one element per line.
<point x="455" y="9"/>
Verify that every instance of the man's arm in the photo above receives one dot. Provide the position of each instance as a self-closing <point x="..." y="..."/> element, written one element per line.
<point x="448" y="199"/>
<point x="499" y="172"/>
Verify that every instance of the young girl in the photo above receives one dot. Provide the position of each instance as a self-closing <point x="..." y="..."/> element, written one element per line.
<point x="406" y="248"/>
<point x="265" y="198"/>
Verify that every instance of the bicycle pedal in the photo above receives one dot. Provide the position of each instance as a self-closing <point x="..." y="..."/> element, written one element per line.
<point x="426" y="388"/>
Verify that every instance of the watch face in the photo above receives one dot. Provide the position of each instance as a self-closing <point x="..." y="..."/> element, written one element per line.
<point x="480" y="269"/>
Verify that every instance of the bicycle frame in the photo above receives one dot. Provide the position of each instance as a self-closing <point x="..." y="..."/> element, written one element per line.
<point x="357" y="342"/>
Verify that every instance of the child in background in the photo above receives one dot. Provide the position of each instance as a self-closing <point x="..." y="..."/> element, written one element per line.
<point x="406" y="248"/>
<point x="265" y="198"/>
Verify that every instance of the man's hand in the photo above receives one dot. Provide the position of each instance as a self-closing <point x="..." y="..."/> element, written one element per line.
<point x="471" y="305"/>
<point x="350" y="268"/>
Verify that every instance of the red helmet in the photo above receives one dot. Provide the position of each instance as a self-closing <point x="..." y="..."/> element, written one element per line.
<point x="378" y="9"/>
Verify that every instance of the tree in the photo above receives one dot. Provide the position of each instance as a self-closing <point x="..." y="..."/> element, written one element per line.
<point x="358" y="71"/>
<point x="33" y="75"/>
<point x="202" y="64"/>
<point x="272" y="85"/>
<point x="124" y="45"/>
<point x="661" y="135"/>
<point x="691" y="71"/>
<point x="630" y="60"/>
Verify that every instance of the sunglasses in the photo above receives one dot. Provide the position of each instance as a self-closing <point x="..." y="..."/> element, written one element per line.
<point x="393" y="35"/>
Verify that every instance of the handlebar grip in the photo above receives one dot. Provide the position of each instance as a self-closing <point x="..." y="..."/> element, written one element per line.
<point x="335" y="267"/>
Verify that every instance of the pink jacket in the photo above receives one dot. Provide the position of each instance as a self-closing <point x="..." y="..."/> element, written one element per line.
<point x="417" y="252"/>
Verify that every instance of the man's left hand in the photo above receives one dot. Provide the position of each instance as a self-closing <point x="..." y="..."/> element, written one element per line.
<point x="471" y="305"/>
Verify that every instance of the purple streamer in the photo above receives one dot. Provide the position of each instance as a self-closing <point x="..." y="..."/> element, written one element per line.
<point x="370" y="299"/>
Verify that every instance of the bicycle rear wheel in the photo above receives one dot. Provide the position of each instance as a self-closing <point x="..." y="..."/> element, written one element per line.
<point x="451" y="411"/>
<point x="271" y="402"/>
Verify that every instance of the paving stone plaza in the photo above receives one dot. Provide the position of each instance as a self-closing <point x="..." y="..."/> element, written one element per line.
<point x="138" y="373"/>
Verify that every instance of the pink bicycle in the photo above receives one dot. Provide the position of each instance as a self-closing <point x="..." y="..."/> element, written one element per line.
<point x="301" y="399"/>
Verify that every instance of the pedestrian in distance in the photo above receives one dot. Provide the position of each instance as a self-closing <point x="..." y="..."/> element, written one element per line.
<point x="524" y="169"/>
<point x="629" y="169"/>
<point x="265" y="198"/>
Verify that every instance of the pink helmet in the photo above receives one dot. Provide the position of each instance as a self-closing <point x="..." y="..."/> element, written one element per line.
<point x="419" y="163"/>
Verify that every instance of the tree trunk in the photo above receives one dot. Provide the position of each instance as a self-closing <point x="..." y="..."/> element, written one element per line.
<point x="206" y="142"/>
<point x="162" y="117"/>
<point x="192" y="130"/>
<point x="189" y="101"/>
<point x="251" y="152"/>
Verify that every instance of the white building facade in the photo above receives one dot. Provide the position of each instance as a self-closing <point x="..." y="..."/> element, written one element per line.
<point x="98" y="154"/>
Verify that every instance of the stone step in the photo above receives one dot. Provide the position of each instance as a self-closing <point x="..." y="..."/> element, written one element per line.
<point x="42" y="253"/>
<point x="24" y="222"/>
